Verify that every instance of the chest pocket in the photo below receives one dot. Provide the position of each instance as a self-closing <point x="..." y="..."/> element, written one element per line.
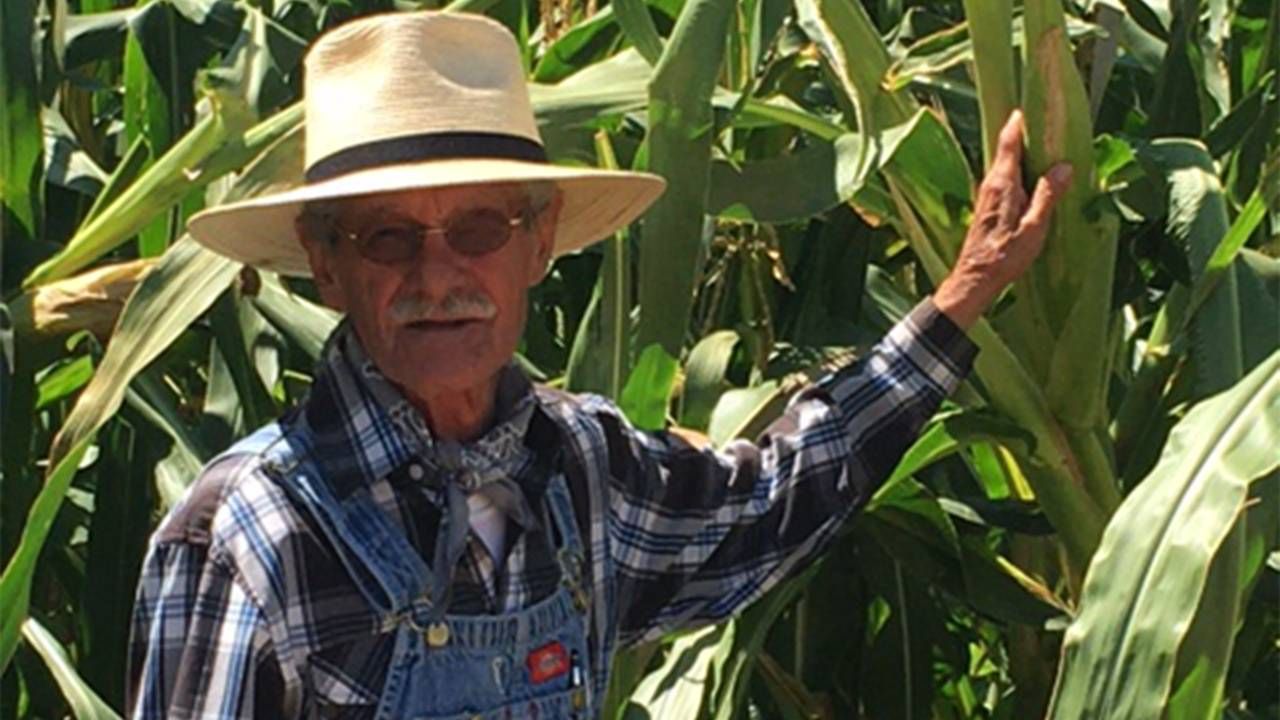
<point x="529" y="665"/>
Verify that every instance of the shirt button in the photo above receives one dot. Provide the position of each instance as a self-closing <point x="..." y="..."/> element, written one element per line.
<point x="416" y="472"/>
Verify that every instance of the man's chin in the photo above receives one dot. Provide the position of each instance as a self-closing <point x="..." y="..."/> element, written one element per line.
<point x="446" y="368"/>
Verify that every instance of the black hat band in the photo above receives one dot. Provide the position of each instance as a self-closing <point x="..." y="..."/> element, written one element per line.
<point x="426" y="146"/>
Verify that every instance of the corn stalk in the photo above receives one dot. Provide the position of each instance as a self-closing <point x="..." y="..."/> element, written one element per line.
<point x="854" y="53"/>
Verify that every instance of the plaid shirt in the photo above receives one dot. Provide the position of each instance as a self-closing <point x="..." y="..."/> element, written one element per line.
<point x="243" y="609"/>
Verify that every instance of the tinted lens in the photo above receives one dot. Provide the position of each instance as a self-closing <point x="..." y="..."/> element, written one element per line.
<point x="391" y="243"/>
<point x="480" y="231"/>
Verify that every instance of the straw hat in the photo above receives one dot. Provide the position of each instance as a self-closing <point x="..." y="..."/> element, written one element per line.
<point x="419" y="100"/>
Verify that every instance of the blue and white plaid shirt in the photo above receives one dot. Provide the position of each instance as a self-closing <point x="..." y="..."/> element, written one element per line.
<point x="244" y="610"/>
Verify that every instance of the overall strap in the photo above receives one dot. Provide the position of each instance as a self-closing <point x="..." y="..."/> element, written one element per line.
<point x="388" y="571"/>
<point x="571" y="552"/>
<point x="566" y="496"/>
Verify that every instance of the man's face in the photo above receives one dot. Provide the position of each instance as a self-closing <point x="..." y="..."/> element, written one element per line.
<point x="445" y="320"/>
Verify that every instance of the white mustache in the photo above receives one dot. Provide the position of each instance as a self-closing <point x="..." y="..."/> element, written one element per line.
<point x="470" y="306"/>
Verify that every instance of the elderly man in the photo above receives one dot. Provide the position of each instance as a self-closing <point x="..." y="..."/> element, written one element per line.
<point x="430" y="536"/>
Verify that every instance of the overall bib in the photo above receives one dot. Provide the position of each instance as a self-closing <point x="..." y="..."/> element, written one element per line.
<point x="520" y="665"/>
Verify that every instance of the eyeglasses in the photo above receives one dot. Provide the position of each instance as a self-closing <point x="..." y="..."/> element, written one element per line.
<point x="473" y="233"/>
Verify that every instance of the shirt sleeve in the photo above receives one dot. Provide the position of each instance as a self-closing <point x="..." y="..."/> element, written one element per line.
<point x="698" y="534"/>
<point x="199" y="646"/>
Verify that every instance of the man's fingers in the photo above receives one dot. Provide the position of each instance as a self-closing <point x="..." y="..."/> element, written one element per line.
<point x="1008" y="157"/>
<point x="1001" y="191"/>
<point x="1049" y="189"/>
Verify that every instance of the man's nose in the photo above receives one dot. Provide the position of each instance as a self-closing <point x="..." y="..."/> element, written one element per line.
<point x="438" y="268"/>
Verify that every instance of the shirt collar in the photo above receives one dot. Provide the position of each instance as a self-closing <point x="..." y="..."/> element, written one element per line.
<point x="364" y="427"/>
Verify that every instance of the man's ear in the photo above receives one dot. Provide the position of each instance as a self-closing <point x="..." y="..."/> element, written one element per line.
<point x="320" y="255"/>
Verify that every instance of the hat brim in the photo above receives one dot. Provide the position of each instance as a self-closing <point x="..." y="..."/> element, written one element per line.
<point x="261" y="232"/>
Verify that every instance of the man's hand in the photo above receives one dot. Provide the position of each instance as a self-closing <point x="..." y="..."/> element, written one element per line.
<point x="1007" y="232"/>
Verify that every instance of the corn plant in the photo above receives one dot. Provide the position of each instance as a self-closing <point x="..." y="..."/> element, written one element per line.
<point x="1090" y="527"/>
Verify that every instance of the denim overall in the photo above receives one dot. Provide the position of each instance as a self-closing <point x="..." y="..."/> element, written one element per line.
<point x="526" y="664"/>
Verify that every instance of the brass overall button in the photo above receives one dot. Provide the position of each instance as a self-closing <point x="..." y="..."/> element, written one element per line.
<point x="437" y="634"/>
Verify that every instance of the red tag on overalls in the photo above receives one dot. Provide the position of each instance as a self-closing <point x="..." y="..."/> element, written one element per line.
<point x="548" y="661"/>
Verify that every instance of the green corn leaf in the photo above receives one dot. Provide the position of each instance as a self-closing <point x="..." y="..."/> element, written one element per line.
<point x="1180" y="105"/>
<point x="1060" y="482"/>
<point x="1258" y="289"/>
<point x="897" y="660"/>
<point x="950" y="432"/>
<point x="613" y="86"/>
<point x="776" y="110"/>
<point x="744" y="412"/>
<point x="681" y="132"/>
<point x="85" y="703"/>
<point x="907" y="508"/>
<point x="21" y="133"/>
<point x="148" y="120"/>
<point x="913" y="149"/>
<point x="706" y="671"/>
<point x="1198" y="221"/>
<point x="69" y="377"/>
<point x="577" y="49"/>
<point x="600" y="356"/>
<point x="633" y="17"/>
<point x="732" y="665"/>
<point x="704" y="380"/>
<point x="90" y="36"/>
<point x="793" y="698"/>
<point x="857" y="59"/>
<point x="1146" y="18"/>
<point x="648" y="390"/>
<point x="125" y="172"/>
<point x="990" y="24"/>
<point x="1203" y="656"/>
<point x="1061" y="321"/>
<point x="790" y="187"/>
<point x="677" y="688"/>
<point x="221" y="142"/>
<point x="155" y="402"/>
<point x="1217" y="265"/>
<point x="1002" y="590"/>
<point x="251" y="399"/>
<point x="120" y="524"/>
<point x="305" y="323"/>
<point x="919" y="531"/>
<point x="1146" y="582"/>
<point x="67" y="164"/>
<point x="625" y="675"/>
<point x="1229" y="131"/>
<point x="183" y="284"/>
<point x="923" y="162"/>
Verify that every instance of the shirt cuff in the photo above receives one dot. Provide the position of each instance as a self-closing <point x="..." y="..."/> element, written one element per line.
<point x="934" y="348"/>
<point x="943" y="338"/>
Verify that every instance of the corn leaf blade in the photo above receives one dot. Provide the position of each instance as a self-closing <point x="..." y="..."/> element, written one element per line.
<point x="1146" y="580"/>
<point x="681" y="131"/>
<point x="85" y="703"/>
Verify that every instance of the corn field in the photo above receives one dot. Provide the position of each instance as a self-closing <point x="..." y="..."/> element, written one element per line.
<point x="1089" y="528"/>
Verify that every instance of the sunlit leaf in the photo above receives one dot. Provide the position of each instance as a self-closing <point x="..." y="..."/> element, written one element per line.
<point x="1145" y="583"/>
